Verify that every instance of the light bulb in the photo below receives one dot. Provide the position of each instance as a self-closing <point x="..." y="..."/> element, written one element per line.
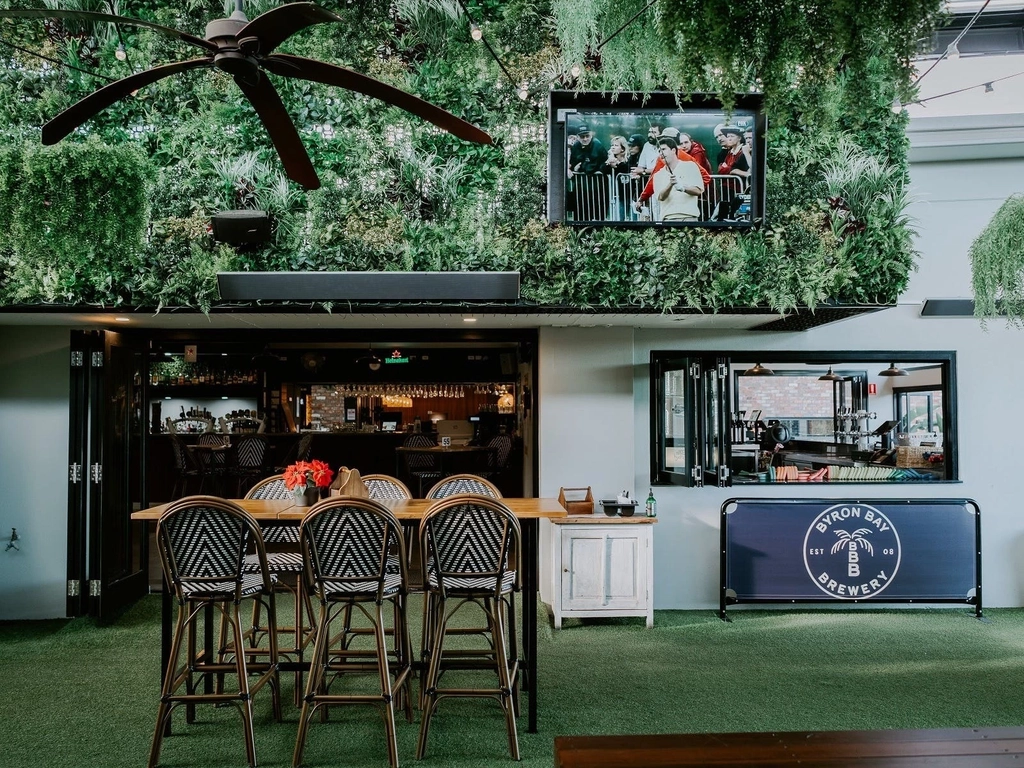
<point x="575" y="71"/>
<point x="120" y="54"/>
<point x="475" y="32"/>
<point x="523" y="93"/>
<point x="989" y="88"/>
<point x="952" y="52"/>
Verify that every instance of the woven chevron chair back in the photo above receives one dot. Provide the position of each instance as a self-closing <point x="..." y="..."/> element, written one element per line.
<point x="467" y="542"/>
<point x="456" y="484"/>
<point x="386" y="487"/>
<point x="272" y="487"/>
<point x="251" y="452"/>
<point x="501" y="447"/>
<point x="214" y="459"/>
<point x="417" y="461"/>
<point x="346" y="542"/>
<point x="182" y="459"/>
<point x="203" y="541"/>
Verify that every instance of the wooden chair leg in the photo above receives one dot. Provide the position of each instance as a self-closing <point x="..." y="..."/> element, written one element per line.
<point x="164" y="710"/>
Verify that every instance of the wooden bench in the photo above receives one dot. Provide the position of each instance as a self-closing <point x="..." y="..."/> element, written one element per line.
<point x="941" y="748"/>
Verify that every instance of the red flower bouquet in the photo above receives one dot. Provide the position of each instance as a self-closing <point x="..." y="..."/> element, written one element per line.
<point x="307" y="474"/>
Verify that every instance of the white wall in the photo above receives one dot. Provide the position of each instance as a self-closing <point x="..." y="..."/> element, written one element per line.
<point x="954" y="202"/>
<point x="34" y="381"/>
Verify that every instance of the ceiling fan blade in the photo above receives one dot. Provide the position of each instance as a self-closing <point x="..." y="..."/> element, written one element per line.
<point x="72" y="117"/>
<point x="268" y="105"/>
<point x="278" y="24"/>
<point x="286" y="65"/>
<point x="91" y="16"/>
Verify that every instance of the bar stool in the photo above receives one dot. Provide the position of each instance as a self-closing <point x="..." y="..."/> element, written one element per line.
<point x="203" y="542"/>
<point x="388" y="487"/>
<point x="347" y="546"/>
<point x="467" y="543"/>
<point x="287" y="561"/>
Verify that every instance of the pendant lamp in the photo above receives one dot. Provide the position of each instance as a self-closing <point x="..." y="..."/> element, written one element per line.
<point x="892" y="370"/>
<point x="759" y="370"/>
<point x="830" y="376"/>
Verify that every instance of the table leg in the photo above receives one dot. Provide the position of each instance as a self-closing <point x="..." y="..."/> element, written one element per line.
<point x="531" y="534"/>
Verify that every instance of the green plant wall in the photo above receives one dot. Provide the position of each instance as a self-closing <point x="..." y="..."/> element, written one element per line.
<point x="398" y="194"/>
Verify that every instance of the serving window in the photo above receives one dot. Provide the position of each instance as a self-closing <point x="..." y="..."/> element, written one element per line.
<point x="729" y="418"/>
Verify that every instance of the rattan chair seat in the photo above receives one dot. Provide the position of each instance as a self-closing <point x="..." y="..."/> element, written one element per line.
<point x="277" y="562"/>
<point x="392" y="583"/>
<point x="476" y="585"/>
<point x="252" y="584"/>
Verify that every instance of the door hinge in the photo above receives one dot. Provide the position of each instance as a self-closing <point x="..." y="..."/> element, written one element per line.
<point x="94" y="587"/>
<point x="75" y="473"/>
<point x="694" y="370"/>
<point x="97" y="359"/>
<point x="74" y="588"/>
<point x="77" y="358"/>
<point x="723" y="473"/>
<point x="723" y="370"/>
<point x="96" y="472"/>
<point x="697" y="473"/>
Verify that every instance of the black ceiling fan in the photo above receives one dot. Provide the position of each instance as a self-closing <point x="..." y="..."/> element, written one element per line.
<point x="245" y="50"/>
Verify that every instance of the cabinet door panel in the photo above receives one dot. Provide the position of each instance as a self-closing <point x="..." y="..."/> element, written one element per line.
<point x="621" y="562"/>
<point x="583" y="579"/>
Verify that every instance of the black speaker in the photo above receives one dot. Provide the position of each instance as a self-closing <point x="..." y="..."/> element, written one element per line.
<point x="241" y="227"/>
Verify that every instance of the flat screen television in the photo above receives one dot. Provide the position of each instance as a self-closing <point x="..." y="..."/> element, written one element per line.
<point x="662" y="160"/>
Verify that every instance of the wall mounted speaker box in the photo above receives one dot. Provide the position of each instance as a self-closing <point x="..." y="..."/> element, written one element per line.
<point x="241" y="227"/>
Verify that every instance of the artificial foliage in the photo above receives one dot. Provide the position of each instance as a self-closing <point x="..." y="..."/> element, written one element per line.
<point x="997" y="264"/>
<point x="399" y="194"/>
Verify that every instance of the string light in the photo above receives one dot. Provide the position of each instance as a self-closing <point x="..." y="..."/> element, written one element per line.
<point x="989" y="87"/>
<point x="120" y="54"/>
<point x="575" y="71"/>
<point x="952" y="51"/>
<point x="475" y="32"/>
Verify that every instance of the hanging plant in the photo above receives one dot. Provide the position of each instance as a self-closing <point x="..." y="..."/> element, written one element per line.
<point x="997" y="264"/>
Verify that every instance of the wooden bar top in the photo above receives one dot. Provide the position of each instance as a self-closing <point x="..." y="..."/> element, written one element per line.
<point x="945" y="748"/>
<point x="602" y="519"/>
<point x="408" y="509"/>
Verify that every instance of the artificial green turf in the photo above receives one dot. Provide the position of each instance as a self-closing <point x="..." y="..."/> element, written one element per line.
<point x="76" y="694"/>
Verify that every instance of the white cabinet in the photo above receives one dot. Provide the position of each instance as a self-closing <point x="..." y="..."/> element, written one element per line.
<point x="602" y="566"/>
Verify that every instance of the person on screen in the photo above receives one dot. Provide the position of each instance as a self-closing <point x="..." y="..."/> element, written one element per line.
<point x="677" y="184"/>
<point x="748" y="150"/>
<point x="696" y="150"/>
<point x="648" y="153"/>
<point x="618" y="155"/>
<point x="587" y="167"/>
<point x="732" y="161"/>
<point x="668" y="133"/>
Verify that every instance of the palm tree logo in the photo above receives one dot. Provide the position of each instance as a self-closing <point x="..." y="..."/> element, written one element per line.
<point x="851" y="542"/>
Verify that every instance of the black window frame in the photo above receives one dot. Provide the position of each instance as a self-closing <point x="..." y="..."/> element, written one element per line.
<point x="701" y="366"/>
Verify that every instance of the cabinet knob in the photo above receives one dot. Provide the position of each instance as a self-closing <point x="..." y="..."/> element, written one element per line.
<point x="565" y="570"/>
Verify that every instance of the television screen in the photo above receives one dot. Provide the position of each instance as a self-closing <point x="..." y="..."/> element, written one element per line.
<point x="661" y="160"/>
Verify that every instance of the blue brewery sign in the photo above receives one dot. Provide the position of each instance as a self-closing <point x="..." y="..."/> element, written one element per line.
<point x="810" y="550"/>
